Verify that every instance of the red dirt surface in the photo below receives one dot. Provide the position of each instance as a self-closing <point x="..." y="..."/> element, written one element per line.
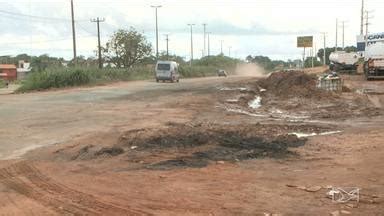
<point x="110" y="171"/>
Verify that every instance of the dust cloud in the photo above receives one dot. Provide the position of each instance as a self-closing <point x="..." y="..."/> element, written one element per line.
<point x="250" y="69"/>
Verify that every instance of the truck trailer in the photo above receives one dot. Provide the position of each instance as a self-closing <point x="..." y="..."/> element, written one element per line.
<point x="341" y="60"/>
<point x="374" y="61"/>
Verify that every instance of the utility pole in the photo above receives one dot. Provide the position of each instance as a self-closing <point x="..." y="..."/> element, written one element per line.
<point x="229" y="51"/>
<point x="367" y="17"/>
<point x="167" y="39"/>
<point x="157" y="30"/>
<point x="98" y="20"/>
<point x="337" y="31"/>
<point x="362" y="18"/>
<point x="343" y="33"/>
<point x="191" y="26"/>
<point x="324" y="53"/>
<point x="221" y="47"/>
<point x="343" y="27"/>
<point x="209" y="45"/>
<point x="73" y="33"/>
<point x="313" y="54"/>
<point x="205" y="37"/>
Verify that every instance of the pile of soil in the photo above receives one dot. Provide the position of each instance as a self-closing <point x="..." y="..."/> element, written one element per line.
<point x="293" y="84"/>
<point x="296" y="93"/>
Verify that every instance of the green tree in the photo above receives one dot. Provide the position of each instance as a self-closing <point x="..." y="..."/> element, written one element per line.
<point x="126" y="48"/>
<point x="42" y="62"/>
<point x="308" y="62"/>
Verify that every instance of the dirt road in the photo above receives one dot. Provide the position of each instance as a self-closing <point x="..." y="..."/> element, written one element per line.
<point x="205" y="146"/>
<point x="46" y="118"/>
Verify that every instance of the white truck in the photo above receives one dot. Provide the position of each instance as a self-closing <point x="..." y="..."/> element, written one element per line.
<point x="374" y="61"/>
<point x="341" y="60"/>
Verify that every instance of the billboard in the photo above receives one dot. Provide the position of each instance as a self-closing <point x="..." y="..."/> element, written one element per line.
<point x="372" y="39"/>
<point x="306" y="41"/>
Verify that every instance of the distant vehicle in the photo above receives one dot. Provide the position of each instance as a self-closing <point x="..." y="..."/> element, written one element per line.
<point x="374" y="61"/>
<point x="342" y="60"/>
<point x="167" y="70"/>
<point x="222" y="73"/>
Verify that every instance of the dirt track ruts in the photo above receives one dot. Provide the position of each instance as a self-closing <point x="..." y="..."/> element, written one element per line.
<point x="25" y="179"/>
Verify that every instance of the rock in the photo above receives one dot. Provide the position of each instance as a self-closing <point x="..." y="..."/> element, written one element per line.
<point x="133" y="147"/>
<point x="291" y="185"/>
<point x="350" y="205"/>
<point x="313" y="189"/>
<point x="220" y="162"/>
<point x="345" y="212"/>
<point x="335" y="213"/>
<point x="302" y="187"/>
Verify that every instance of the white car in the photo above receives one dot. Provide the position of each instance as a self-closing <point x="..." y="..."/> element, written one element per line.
<point x="222" y="73"/>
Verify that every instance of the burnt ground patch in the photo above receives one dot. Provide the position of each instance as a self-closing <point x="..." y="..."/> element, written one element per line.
<point x="199" y="145"/>
<point x="234" y="148"/>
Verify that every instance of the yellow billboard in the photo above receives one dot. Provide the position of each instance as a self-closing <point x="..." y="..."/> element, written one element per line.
<point x="306" y="41"/>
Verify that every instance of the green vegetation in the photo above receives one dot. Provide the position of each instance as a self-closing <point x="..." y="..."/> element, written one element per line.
<point x="128" y="57"/>
<point x="60" y="77"/>
<point x="316" y="62"/>
<point x="2" y="83"/>
<point x="126" y="48"/>
<point x="267" y="63"/>
<point x="187" y="71"/>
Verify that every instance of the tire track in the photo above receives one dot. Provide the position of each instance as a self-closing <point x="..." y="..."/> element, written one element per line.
<point x="27" y="180"/>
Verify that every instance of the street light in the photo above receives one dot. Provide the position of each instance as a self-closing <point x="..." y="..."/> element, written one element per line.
<point x="221" y="47"/>
<point x="324" y="45"/>
<point x="205" y="39"/>
<point x="209" y="45"/>
<point x="157" y="30"/>
<point x="191" y="25"/>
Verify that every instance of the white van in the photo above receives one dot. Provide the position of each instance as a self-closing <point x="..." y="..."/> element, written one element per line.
<point x="167" y="70"/>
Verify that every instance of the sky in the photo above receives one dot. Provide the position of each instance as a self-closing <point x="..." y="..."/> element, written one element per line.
<point x="245" y="27"/>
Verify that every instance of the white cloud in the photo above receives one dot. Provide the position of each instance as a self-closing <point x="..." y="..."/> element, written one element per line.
<point x="262" y="27"/>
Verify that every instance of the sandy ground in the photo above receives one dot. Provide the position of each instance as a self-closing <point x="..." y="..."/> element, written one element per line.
<point x="11" y="88"/>
<point x="68" y="176"/>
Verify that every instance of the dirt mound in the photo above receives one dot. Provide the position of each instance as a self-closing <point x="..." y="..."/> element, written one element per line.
<point x="292" y="83"/>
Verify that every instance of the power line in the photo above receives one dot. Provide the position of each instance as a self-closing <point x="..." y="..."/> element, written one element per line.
<point x="86" y="30"/>
<point x="37" y="18"/>
<point x="43" y="41"/>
